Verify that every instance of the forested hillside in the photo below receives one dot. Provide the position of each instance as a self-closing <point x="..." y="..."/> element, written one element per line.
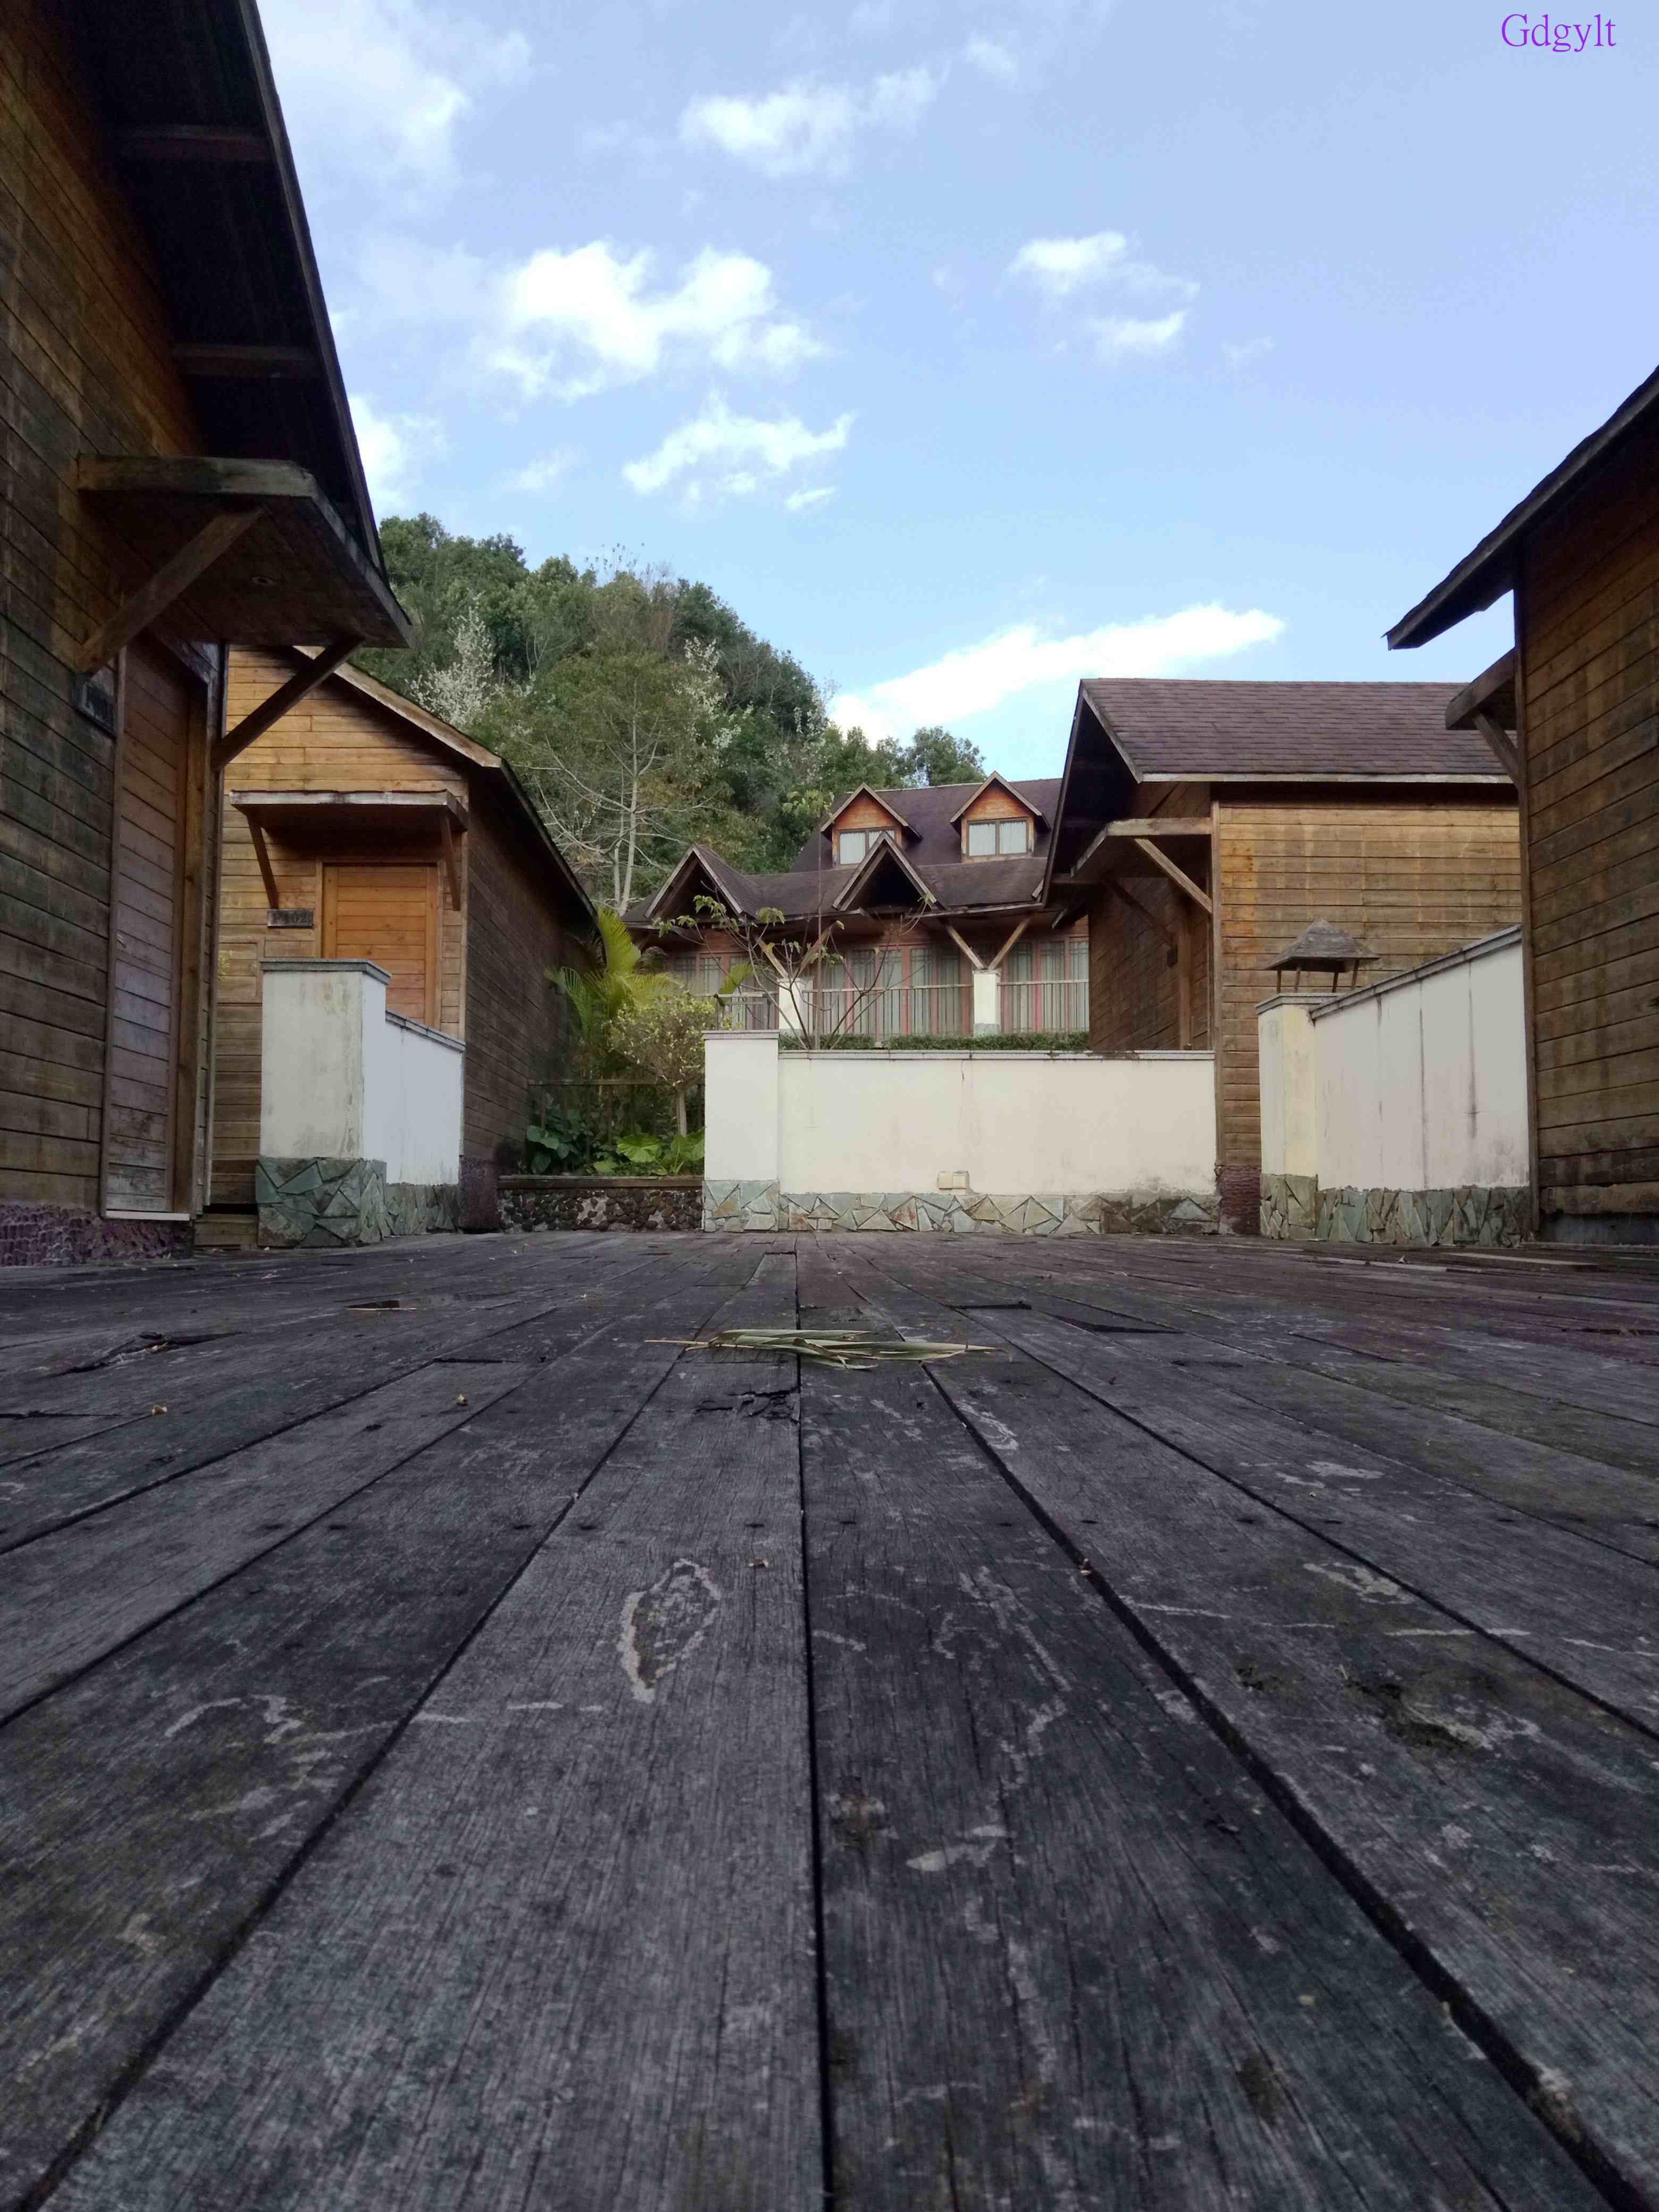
<point x="641" y="709"/>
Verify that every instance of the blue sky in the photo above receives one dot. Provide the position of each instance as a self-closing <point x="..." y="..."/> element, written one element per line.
<point x="966" y="350"/>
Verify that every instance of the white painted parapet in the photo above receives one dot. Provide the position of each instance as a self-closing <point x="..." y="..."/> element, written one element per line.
<point x="343" y="1079"/>
<point x="1066" y="1142"/>
<point x="1398" y="1113"/>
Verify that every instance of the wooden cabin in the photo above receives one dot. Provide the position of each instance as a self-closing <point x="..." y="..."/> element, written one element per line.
<point x="933" y="907"/>
<point x="180" y="471"/>
<point x="360" y="827"/>
<point x="1572" y="714"/>
<point x="1206" y="825"/>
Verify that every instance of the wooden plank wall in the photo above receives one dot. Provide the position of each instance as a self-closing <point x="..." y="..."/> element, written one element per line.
<point x="1590" y="721"/>
<point x="1415" y="878"/>
<point x="84" y="368"/>
<point x="1133" y="991"/>
<point x="516" y="1021"/>
<point x="335" y="740"/>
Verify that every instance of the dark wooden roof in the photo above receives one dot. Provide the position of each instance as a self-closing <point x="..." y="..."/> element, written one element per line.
<point x="186" y="91"/>
<point x="932" y="857"/>
<point x="1170" y="729"/>
<point x="1488" y="572"/>
<point x="931" y="813"/>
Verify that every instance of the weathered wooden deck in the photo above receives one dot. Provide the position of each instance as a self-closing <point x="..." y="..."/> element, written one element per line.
<point x="460" y="1750"/>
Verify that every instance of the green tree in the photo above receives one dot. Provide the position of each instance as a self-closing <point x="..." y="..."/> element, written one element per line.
<point x="934" y="755"/>
<point x="662" y="1036"/>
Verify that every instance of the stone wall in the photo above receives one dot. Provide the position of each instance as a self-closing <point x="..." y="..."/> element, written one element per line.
<point x="1294" y="1206"/>
<point x="36" y="1235"/>
<point x="638" y="1202"/>
<point x="762" y="1205"/>
<point x="322" y="1204"/>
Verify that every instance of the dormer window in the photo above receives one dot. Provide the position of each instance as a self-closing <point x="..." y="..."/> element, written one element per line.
<point x="854" y="844"/>
<point x="989" y="840"/>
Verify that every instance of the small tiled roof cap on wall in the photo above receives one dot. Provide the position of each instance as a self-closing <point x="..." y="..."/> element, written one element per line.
<point x="1170" y="729"/>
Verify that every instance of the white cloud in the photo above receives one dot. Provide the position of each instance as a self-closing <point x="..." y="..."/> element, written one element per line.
<point x="395" y="448"/>
<point x="1060" y="266"/>
<point x="374" y="90"/>
<point x="1251" y="349"/>
<point x="806" y="129"/>
<point x="542" y="474"/>
<point x="979" y="677"/>
<point x="991" y="59"/>
<point x="798" y="500"/>
<point x="572" y="324"/>
<point x="733" y="455"/>
<point x="1122" y="338"/>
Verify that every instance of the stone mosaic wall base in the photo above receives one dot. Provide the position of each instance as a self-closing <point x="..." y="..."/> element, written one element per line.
<point x="1473" y="1213"/>
<point x="322" y="1204"/>
<point x="34" y="1236"/>
<point x="1290" y="1206"/>
<point x="762" y="1205"/>
<point x="637" y="1202"/>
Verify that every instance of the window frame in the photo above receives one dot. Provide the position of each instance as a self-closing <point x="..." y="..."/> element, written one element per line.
<point x="996" y="826"/>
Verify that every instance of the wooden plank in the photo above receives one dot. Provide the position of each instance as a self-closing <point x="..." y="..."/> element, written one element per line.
<point x="162" y="1799"/>
<point x="1178" y="876"/>
<point x="288" y="1381"/>
<point x="563" y="1937"/>
<point x="1457" y="1789"/>
<point x="1474" y="1552"/>
<point x="300" y="686"/>
<point x="68" y="1599"/>
<point x="1067" y="1938"/>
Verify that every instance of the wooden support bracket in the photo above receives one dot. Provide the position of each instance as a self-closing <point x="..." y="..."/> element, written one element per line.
<point x="1508" y="752"/>
<point x="451" y="867"/>
<point x="262" y="854"/>
<point x="972" y="957"/>
<point x="300" y="686"/>
<point x="1178" y="877"/>
<point x="1020" y="929"/>
<point x="171" y="581"/>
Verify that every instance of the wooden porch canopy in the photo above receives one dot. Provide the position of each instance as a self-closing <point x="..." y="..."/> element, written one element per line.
<point x="1156" y="845"/>
<point x="294" y="813"/>
<point x="249" y="551"/>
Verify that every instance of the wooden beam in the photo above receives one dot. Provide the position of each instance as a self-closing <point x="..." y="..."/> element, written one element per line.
<point x="193" y="142"/>
<point x="262" y="854"/>
<point x="451" y="868"/>
<point x="1184" y="980"/>
<point x="300" y="686"/>
<point x="1501" y="743"/>
<point x="171" y="581"/>
<point x="973" y="958"/>
<point x="1020" y="929"/>
<point x="1178" y="877"/>
<point x="1159" y="825"/>
<point x="233" y="362"/>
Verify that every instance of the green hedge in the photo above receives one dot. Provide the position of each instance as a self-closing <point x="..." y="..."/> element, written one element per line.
<point x="1026" y="1040"/>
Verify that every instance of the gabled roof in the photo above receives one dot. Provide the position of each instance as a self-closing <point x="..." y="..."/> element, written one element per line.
<point x="1000" y="783"/>
<point x="448" y="738"/>
<point x="191" y="116"/>
<point x="882" y="799"/>
<point x="1488" y="572"/>
<point x="930" y="813"/>
<point x="735" y="890"/>
<point x="885" y="854"/>
<point x="1170" y="729"/>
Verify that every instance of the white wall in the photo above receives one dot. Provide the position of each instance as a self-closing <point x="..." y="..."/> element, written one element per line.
<point x="343" y="1079"/>
<point x="1008" y="1121"/>
<point x="1417" y="1083"/>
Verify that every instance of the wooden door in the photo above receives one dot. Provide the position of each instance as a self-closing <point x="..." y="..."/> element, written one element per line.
<point x="387" y="914"/>
<point x="141" y="1130"/>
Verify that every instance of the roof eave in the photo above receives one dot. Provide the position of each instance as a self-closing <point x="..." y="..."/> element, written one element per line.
<point x="1488" y="571"/>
